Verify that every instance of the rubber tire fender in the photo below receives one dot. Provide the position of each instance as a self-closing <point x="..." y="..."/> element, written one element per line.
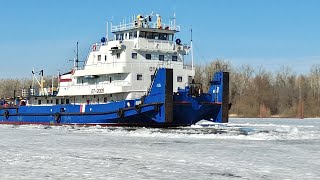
<point x="57" y="117"/>
<point x="137" y="108"/>
<point x="120" y="113"/>
<point x="6" y="114"/>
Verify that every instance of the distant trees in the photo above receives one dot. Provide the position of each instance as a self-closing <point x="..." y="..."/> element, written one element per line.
<point x="10" y="86"/>
<point x="263" y="93"/>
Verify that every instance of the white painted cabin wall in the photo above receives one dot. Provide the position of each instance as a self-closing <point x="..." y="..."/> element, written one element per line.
<point x="123" y="69"/>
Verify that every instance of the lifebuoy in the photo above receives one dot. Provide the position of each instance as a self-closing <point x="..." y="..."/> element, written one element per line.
<point x="57" y="117"/>
<point x="178" y="41"/>
<point x="6" y="114"/>
<point x="120" y="113"/>
<point x="137" y="108"/>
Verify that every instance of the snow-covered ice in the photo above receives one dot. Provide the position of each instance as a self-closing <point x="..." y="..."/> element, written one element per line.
<point x="242" y="149"/>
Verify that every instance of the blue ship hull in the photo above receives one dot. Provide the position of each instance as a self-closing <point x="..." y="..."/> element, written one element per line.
<point x="160" y="108"/>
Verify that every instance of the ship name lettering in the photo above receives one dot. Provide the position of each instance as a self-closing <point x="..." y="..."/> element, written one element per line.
<point x="93" y="91"/>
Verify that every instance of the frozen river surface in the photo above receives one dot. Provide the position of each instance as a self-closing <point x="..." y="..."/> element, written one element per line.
<point x="242" y="149"/>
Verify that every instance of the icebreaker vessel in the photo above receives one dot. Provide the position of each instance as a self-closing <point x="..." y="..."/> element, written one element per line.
<point x="137" y="78"/>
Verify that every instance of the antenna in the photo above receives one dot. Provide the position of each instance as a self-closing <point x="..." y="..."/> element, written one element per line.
<point x="76" y="59"/>
<point x="174" y="23"/>
<point x="111" y="26"/>
<point x="191" y="44"/>
<point x="107" y="33"/>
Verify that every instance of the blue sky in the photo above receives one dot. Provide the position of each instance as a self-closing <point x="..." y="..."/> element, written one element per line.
<point x="269" y="33"/>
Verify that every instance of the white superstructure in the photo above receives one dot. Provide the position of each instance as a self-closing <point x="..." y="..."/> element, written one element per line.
<point x="123" y="67"/>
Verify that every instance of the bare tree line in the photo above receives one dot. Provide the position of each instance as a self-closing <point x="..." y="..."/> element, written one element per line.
<point x="253" y="92"/>
<point x="10" y="88"/>
<point x="263" y="93"/>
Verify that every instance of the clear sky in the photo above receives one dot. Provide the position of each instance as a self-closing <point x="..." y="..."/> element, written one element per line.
<point x="271" y="33"/>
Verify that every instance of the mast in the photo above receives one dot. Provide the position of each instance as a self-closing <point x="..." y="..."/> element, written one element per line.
<point x="191" y="44"/>
<point x="174" y="21"/>
<point x="42" y="82"/>
<point x="107" y="33"/>
<point x="77" y="54"/>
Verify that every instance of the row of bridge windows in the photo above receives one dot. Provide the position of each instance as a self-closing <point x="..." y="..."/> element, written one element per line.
<point x="161" y="57"/>
<point x="143" y="34"/>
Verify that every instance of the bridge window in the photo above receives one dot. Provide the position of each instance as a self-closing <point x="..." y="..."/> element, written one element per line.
<point x="105" y="57"/>
<point x="99" y="57"/>
<point x="155" y="36"/>
<point x="174" y="58"/>
<point x="130" y="35"/>
<point x="118" y="55"/>
<point x="152" y="77"/>
<point x="119" y="36"/>
<point x="139" y="77"/>
<point x="135" y="34"/>
<point x="142" y="34"/>
<point x="163" y="36"/>
<point x="134" y="55"/>
<point x="179" y="78"/>
<point x="67" y="101"/>
<point x="161" y="57"/>
<point x="148" y="56"/>
<point x="149" y="35"/>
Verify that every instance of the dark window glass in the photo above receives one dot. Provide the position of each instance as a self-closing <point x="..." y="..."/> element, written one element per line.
<point x="142" y="34"/>
<point x="161" y="57"/>
<point x="155" y="35"/>
<point x="139" y="77"/>
<point x="67" y="101"/>
<point x="174" y="58"/>
<point x="149" y="35"/>
<point x="99" y="57"/>
<point x="105" y="57"/>
<point x="179" y="79"/>
<point x="118" y="55"/>
<point x="148" y="56"/>
<point x="152" y="77"/>
<point x="134" y="55"/>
